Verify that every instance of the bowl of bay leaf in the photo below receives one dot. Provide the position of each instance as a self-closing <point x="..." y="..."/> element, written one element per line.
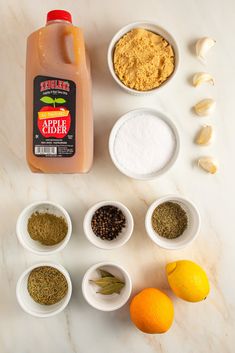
<point x="106" y="286"/>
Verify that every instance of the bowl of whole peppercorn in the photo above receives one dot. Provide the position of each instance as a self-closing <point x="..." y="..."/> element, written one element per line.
<point x="172" y="222"/>
<point x="108" y="224"/>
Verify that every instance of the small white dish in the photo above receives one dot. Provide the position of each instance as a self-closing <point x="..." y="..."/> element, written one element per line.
<point x="29" y="305"/>
<point x="121" y="121"/>
<point x="22" y="227"/>
<point x="121" y="239"/>
<point x="191" y="232"/>
<point x="106" y="302"/>
<point x="153" y="27"/>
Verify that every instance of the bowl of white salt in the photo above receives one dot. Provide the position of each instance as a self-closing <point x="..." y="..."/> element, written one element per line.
<point x="144" y="144"/>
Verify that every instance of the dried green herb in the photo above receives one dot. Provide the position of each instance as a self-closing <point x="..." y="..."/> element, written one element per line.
<point x="47" y="285"/>
<point x="108" y="283"/>
<point x="112" y="288"/>
<point x="169" y="220"/>
<point x="47" y="228"/>
<point x="104" y="273"/>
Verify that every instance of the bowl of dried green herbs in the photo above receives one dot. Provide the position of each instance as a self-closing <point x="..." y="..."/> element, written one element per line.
<point x="172" y="222"/>
<point x="44" y="228"/>
<point x="44" y="289"/>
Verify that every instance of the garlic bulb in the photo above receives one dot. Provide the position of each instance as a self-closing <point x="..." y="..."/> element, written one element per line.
<point x="205" y="107"/>
<point x="203" y="45"/>
<point x="202" y="77"/>
<point x="204" y="136"/>
<point x="208" y="164"/>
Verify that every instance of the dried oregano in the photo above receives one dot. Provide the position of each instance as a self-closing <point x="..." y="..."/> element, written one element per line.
<point x="47" y="285"/>
<point x="169" y="220"/>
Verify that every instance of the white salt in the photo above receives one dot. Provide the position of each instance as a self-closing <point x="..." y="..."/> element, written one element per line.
<point x="144" y="144"/>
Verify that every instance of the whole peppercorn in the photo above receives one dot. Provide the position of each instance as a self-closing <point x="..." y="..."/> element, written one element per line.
<point x="107" y="222"/>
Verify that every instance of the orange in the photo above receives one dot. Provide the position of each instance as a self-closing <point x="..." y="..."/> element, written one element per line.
<point x="152" y="311"/>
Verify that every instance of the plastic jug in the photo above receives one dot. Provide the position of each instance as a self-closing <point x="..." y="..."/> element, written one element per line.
<point x="59" y="122"/>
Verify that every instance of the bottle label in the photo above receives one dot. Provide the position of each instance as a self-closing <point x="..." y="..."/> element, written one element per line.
<point x="54" y="112"/>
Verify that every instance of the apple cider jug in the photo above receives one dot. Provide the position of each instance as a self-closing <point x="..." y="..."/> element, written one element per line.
<point x="59" y="122"/>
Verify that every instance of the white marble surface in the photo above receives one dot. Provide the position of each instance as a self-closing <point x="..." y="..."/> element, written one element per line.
<point x="204" y="327"/>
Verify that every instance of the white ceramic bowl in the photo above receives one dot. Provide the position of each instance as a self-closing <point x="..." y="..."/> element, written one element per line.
<point x="122" y="121"/>
<point x="35" y="246"/>
<point x="153" y="27"/>
<point x="106" y="302"/>
<point x="121" y="239"/>
<point x="191" y="232"/>
<point x="33" y="308"/>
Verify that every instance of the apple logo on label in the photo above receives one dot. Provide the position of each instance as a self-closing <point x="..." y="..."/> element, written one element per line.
<point x="52" y="124"/>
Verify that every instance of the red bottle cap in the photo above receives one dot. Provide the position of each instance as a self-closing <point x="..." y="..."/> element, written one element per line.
<point x="59" y="15"/>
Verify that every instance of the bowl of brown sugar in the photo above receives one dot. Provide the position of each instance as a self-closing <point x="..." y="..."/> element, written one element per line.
<point x="44" y="228"/>
<point x="143" y="57"/>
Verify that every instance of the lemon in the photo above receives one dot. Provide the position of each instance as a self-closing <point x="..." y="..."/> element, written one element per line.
<point x="188" y="280"/>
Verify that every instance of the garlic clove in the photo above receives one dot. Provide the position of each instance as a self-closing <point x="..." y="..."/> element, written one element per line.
<point x="208" y="164"/>
<point x="205" y="107"/>
<point x="202" y="77"/>
<point x="204" y="136"/>
<point x="203" y="45"/>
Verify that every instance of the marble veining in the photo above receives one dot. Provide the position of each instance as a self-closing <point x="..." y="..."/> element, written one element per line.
<point x="203" y="327"/>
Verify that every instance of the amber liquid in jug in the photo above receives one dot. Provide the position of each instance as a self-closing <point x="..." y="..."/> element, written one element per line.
<point x="59" y="122"/>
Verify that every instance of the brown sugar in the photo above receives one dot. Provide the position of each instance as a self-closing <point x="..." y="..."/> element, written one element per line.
<point x="143" y="60"/>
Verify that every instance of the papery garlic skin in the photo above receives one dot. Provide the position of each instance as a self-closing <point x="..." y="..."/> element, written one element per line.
<point x="203" y="45"/>
<point x="202" y="77"/>
<point x="204" y="136"/>
<point x="208" y="164"/>
<point x="205" y="107"/>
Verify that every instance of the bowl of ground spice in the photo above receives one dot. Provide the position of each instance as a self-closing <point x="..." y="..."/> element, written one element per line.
<point x="143" y="57"/>
<point x="44" y="289"/>
<point x="172" y="222"/>
<point x="108" y="224"/>
<point x="44" y="228"/>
